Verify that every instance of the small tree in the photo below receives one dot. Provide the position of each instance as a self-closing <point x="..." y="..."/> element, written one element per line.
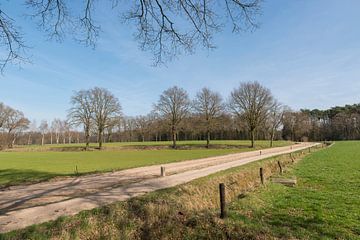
<point x="208" y="105"/>
<point x="173" y="106"/>
<point x="252" y="102"/>
<point x="274" y="120"/>
<point x="43" y="129"/>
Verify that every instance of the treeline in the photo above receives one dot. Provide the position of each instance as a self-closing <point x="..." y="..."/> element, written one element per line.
<point x="251" y="112"/>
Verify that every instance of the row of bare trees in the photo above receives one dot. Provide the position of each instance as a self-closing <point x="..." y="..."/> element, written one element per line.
<point x="251" y="112"/>
<point x="56" y="132"/>
<point x="250" y="103"/>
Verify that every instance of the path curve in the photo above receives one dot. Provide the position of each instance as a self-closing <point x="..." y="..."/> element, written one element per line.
<point x="21" y="206"/>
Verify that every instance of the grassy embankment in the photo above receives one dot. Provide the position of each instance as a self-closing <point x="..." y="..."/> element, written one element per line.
<point x="323" y="205"/>
<point x="36" y="163"/>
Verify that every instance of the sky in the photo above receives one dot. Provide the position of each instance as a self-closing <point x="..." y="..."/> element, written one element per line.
<point x="305" y="52"/>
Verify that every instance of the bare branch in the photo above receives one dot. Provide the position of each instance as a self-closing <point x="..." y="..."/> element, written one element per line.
<point x="10" y="41"/>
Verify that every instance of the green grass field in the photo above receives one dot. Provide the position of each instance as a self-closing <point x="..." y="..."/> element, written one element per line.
<point x="181" y="144"/>
<point x="324" y="205"/>
<point x="41" y="164"/>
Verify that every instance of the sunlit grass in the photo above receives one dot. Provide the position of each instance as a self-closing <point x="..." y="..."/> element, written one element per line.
<point x="21" y="166"/>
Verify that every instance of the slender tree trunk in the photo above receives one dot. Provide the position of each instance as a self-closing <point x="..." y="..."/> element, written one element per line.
<point x="51" y="138"/>
<point x="29" y="139"/>
<point x="208" y="139"/>
<point x="13" y="141"/>
<point x="272" y="137"/>
<point x="173" y="132"/>
<point x="42" y="139"/>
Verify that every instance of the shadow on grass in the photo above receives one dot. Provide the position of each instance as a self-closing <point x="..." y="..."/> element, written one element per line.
<point x="10" y="177"/>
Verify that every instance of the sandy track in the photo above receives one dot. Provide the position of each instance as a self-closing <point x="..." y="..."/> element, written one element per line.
<point x="21" y="206"/>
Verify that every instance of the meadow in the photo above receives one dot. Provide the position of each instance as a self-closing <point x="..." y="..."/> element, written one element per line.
<point x="37" y="163"/>
<point x="323" y="205"/>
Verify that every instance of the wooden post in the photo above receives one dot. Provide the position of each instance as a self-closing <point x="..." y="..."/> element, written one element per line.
<point x="162" y="170"/>
<point x="260" y="152"/>
<point x="262" y="176"/>
<point x="280" y="167"/>
<point x="222" y="201"/>
<point x="309" y="149"/>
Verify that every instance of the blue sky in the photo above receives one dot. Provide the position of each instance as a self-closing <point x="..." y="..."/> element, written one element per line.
<point x="306" y="52"/>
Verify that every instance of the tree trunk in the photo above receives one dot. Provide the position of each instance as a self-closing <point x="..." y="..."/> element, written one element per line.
<point x="42" y="139"/>
<point x="13" y="141"/>
<point x="208" y="139"/>
<point x="252" y="132"/>
<point x="87" y="141"/>
<point x="51" y="138"/>
<point x="100" y="138"/>
<point x="173" y="132"/>
<point x="272" y="137"/>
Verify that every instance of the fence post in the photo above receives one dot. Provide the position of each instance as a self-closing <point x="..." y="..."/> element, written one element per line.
<point x="260" y="153"/>
<point x="222" y="201"/>
<point x="262" y="176"/>
<point x="309" y="149"/>
<point x="280" y="167"/>
<point x="162" y="170"/>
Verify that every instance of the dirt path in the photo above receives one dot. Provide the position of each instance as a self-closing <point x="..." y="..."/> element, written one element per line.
<point x="21" y="206"/>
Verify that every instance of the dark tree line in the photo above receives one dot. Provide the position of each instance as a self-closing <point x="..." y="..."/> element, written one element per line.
<point x="337" y="123"/>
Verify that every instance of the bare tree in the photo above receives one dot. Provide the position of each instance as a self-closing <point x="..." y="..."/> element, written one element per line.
<point x="252" y="102"/>
<point x="56" y="125"/>
<point x="208" y="105"/>
<point x="142" y="125"/>
<point x="81" y="112"/>
<point x="173" y="106"/>
<point x="14" y="124"/>
<point x="105" y="106"/>
<point x="297" y="125"/>
<point x="32" y="129"/>
<point x="274" y="120"/>
<point x="43" y="129"/>
<point x="165" y="28"/>
<point x="4" y="114"/>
